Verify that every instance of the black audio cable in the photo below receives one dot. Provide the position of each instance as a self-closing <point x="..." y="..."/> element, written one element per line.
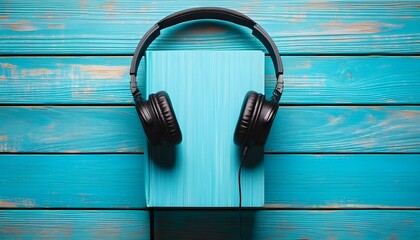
<point x="244" y="152"/>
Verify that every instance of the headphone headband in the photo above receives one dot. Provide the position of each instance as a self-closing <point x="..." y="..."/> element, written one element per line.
<point x="208" y="13"/>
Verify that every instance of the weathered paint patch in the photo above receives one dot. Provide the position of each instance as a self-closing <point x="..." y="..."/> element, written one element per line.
<point x="3" y="138"/>
<point x="410" y="113"/>
<point x="110" y="5"/>
<point x="56" y="26"/>
<point x="366" y="143"/>
<point x="7" y="204"/>
<point x="298" y="18"/>
<point x="101" y="71"/>
<point x="72" y="151"/>
<point x="278" y="206"/>
<point x="23" y="26"/>
<point x="8" y="66"/>
<point x="368" y="27"/>
<point x="335" y="120"/>
<point x="337" y="206"/>
<point x="36" y="72"/>
<point x="320" y="5"/>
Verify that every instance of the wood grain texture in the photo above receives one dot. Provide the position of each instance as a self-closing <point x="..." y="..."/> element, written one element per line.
<point x="296" y="129"/>
<point x="342" y="181"/>
<point x="74" y="224"/>
<point x="72" y="181"/>
<point x="287" y="224"/>
<point x="291" y="181"/>
<point x="309" y="80"/>
<point x="92" y="27"/>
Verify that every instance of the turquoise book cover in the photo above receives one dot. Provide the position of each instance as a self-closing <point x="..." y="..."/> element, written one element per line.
<point x="207" y="89"/>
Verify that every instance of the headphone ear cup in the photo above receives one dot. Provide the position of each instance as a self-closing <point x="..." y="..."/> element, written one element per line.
<point x="149" y="121"/>
<point x="264" y="122"/>
<point x="170" y="133"/>
<point x="247" y="118"/>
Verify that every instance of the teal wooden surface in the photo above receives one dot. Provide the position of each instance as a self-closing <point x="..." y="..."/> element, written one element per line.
<point x="309" y="80"/>
<point x="356" y="181"/>
<point x="214" y="225"/>
<point x="342" y="181"/>
<point x="304" y="27"/>
<point x="202" y="171"/>
<point x="72" y="181"/>
<point x="387" y="129"/>
<point x="74" y="224"/>
<point x="331" y="60"/>
<point x="297" y="224"/>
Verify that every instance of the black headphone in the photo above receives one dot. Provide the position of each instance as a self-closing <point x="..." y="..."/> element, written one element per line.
<point x="157" y="115"/>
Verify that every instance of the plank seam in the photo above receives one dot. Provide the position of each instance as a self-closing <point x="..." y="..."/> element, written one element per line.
<point x="266" y="54"/>
<point x="280" y="105"/>
<point x="212" y="209"/>
<point x="268" y="153"/>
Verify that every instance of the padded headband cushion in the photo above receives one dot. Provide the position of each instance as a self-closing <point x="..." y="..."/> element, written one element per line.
<point x="170" y="128"/>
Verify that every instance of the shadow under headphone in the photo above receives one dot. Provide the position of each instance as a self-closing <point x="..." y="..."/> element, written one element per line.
<point x="157" y="114"/>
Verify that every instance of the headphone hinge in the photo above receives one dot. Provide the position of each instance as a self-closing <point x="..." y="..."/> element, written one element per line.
<point x="134" y="89"/>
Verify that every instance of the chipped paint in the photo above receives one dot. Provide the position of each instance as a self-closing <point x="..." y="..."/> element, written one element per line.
<point x="145" y="9"/>
<point x="305" y="81"/>
<point x="25" y="202"/>
<point x="23" y="26"/>
<point x="8" y="65"/>
<point x="320" y="5"/>
<point x="336" y="206"/>
<point x="7" y="204"/>
<point x="407" y="17"/>
<point x="297" y="18"/>
<point x="368" y="27"/>
<point x="3" y="17"/>
<point x="56" y="26"/>
<point x="110" y="5"/>
<point x="409" y="113"/>
<point x="35" y="72"/>
<point x="302" y="65"/>
<point x="335" y="120"/>
<point x="268" y="205"/>
<point x="3" y="138"/>
<point x="100" y="71"/>
<point x="72" y="151"/>
<point x="377" y="108"/>
<point x="2" y="78"/>
<point x="366" y="143"/>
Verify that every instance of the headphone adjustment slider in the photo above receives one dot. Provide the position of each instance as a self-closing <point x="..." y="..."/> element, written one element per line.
<point x="278" y="91"/>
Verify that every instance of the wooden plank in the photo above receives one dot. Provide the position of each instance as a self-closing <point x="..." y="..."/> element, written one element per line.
<point x="76" y="181"/>
<point x="309" y="80"/>
<point x="291" y="181"/>
<point x="75" y="224"/>
<point x="97" y="27"/>
<point x="342" y="181"/>
<point x="287" y="224"/>
<point x="296" y="129"/>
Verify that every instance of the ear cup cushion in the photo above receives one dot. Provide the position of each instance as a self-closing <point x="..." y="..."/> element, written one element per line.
<point x="149" y="121"/>
<point x="265" y="121"/>
<point x="247" y="118"/>
<point x="170" y="127"/>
